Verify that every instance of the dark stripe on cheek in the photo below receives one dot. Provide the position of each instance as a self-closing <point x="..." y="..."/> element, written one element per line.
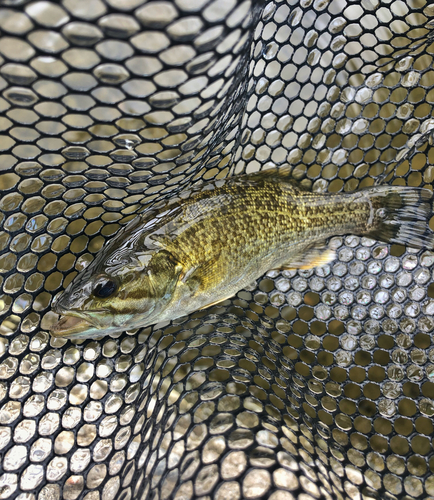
<point x="127" y="306"/>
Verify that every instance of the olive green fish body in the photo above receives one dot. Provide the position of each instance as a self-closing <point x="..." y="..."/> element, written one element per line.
<point x="209" y="243"/>
<point x="256" y="228"/>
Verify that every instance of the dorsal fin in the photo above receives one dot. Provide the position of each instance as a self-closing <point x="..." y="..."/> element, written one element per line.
<point x="280" y="175"/>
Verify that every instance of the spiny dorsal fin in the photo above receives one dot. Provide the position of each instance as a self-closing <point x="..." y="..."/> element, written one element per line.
<point x="277" y="174"/>
<point x="280" y="173"/>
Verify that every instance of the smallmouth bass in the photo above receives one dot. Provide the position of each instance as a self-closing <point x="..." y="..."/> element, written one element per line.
<point x="202" y="247"/>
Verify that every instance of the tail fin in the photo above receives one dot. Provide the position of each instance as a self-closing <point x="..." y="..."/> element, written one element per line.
<point x="401" y="215"/>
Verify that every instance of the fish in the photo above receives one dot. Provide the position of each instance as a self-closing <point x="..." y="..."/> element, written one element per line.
<point x="204" y="245"/>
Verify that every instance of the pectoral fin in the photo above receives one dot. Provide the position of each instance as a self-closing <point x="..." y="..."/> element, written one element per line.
<point x="191" y="279"/>
<point x="202" y="277"/>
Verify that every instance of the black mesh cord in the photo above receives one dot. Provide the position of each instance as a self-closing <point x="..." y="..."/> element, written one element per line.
<point x="309" y="385"/>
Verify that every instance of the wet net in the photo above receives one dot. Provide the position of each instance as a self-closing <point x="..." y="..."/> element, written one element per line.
<point x="309" y="385"/>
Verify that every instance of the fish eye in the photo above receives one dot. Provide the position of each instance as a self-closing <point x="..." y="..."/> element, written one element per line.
<point x="105" y="289"/>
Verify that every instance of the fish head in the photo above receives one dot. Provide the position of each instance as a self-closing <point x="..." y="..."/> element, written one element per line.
<point x="116" y="292"/>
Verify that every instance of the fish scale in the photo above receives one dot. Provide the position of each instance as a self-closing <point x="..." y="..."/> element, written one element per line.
<point x="259" y="218"/>
<point x="202" y="247"/>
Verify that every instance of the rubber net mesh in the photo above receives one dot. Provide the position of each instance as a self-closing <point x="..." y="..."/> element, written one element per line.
<point x="309" y="385"/>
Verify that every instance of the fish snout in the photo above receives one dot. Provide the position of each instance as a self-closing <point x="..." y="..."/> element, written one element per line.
<point x="73" y="298"/>
<point x="61" y="304"/>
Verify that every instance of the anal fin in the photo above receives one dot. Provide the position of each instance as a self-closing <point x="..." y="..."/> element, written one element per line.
<point x="216" y="302"/>
<point x="313" y="257"/>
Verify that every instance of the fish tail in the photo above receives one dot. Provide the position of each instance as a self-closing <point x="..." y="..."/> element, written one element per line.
<point x="401" y="214"/>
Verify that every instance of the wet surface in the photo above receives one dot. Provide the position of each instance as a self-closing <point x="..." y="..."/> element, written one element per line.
<point x="310" y="384"/>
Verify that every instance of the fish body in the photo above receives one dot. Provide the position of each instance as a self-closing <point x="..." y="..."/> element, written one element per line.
<point x="200" y="248"/>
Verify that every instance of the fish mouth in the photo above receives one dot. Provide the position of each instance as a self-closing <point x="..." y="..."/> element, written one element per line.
<point x="74" y="327"/>
<point x="71" y="327"/>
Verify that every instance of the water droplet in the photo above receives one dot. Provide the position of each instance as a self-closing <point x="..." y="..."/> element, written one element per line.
<point x="381" y="296"/>
<point x="32" y="477"/>
<point x="15" y="458"/>
<point x="391" y="265"/>
<point x="348" y="342"/>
